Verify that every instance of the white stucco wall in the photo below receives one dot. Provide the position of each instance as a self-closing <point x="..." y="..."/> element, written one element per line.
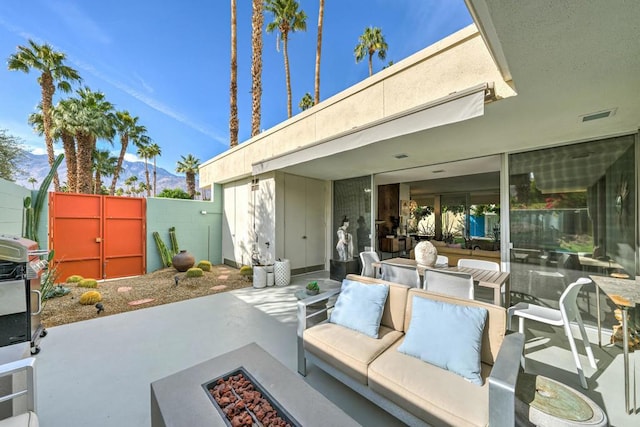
<point x="457" y="62"/>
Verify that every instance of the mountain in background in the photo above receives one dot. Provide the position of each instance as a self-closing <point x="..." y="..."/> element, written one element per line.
<point x="36" y="166"/>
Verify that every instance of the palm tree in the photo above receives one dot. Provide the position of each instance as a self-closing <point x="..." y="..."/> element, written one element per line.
<point x="53" y="73"/>
<point x="306" y="102"/>
<point x="95" y="120"/>
<point x="233" y="89"/>
<point x="104" y="164"/>
<point x="257" y="22"/>
<point x="286" y="19"/>
<point x="370" y="42"/>
<point x="316" y="98"/>
<point x="33" y="182"/>
<point x="189" y="166"/>
<point x="131" y="184"/>
<point x="128" y="128"/>
<point x="154" y="151"/>
<point x="143" y="153"/>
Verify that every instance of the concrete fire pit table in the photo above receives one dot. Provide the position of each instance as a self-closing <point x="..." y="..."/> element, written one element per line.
<point x="181" y="400"/>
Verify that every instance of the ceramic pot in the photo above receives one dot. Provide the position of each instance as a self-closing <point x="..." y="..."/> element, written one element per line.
<point x="426" y="254"/>
<point x="183" y="261"/>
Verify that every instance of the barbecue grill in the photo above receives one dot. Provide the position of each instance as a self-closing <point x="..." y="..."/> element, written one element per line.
<point x="21" y="267"/>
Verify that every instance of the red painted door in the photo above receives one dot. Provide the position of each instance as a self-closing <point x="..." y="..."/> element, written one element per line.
<point x="99" y="237"/>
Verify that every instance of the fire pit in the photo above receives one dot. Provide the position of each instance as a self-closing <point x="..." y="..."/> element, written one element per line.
<point x="244" y="403"/>
<point x="183" y="399"/>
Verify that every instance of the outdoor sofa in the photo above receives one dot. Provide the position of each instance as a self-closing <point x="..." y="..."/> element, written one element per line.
<point x="416" y="392"/>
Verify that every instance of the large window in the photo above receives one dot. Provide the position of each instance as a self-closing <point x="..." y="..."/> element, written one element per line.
<point x="352" y="201"/>
<point x="572" y="214"/>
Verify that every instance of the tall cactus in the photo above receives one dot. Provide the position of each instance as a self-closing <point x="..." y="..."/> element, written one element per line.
<point x="174" y="241"/>
<point x="33" y="208"/>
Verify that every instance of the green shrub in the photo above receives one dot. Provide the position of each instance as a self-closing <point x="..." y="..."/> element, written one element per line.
<point x="90" y="298"/>
<point x="204" y="265"/>
<point x="88" y="283"/>
<point x="194" y="272"/>
<point x="74" y="279"/>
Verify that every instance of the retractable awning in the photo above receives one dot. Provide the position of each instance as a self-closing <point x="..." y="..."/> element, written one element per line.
<point x="453" y="108"/>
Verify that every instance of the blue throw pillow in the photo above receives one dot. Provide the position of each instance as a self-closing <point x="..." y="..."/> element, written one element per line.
<point x="359" y="307"/>
<point x="446" y="335"/>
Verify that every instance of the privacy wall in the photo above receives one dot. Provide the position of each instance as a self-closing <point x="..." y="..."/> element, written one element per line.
<point x="198" y="227"/>
<point x="11" y="207"/>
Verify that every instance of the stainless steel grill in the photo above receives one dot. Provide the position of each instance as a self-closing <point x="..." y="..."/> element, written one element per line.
<point x="20" y="269"/>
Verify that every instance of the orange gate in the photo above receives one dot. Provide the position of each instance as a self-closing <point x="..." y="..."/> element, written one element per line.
<point x="95" y="236"/>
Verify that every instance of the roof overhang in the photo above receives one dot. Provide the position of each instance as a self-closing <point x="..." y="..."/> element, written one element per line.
<point x="457" y="107"/>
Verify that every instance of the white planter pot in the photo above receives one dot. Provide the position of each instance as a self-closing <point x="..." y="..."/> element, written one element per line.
<point x="259" y="276"/>
<point x="270" y="279"/>
<point x="282" y="271"/>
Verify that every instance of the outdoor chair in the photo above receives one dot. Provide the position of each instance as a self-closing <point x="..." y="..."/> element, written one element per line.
<point x="568" y="313"/>
<point x="442" y="261"/>
<point x="27" y="418"/>
<point x="478" y="263"/>
<point x="402" y="274"/>
<point x="367" y="259"/>
<point x="449" y="283"/>
<point x="483" y="294"/>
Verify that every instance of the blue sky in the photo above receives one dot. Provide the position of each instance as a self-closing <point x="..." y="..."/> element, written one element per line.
<point x="168" y="62"/>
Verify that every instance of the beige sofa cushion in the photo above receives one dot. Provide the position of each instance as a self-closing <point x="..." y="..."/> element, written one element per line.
<point x="494" y="328"/>
<point x="395" y="307"/>
<point x="27" y="419"/>
<point x="347" y="350"/>
<point x="433" y="394"/>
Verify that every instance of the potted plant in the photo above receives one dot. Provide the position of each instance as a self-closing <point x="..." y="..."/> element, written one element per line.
<point x="313" y="288"/>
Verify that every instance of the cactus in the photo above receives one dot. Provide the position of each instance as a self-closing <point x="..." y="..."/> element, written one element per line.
<point x="194" y="272"/>
<point x="74" y="279"/>
<point x="90" y="298"/>
<point x="174" y="242"/>
<point x="33" y="208"/>
<point x="88" y="283"/>
<point x="162" y="248"/>
<point x="204" y="265"/>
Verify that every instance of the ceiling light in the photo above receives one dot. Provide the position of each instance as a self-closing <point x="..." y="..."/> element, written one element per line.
<point x="438" y="171"/>
<point x="401" y="156"/>
<point x="598" y="115"/>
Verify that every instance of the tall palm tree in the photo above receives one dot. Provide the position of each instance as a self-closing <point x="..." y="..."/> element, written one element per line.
<point x="104" y="164"/>
<point x="33" y="182"/>
<point x="257" y="22"/>
<point x="286" y="19"/>
<point x="154" y="151"/>
<point x="143" y="153"/>
<point x="370" y="42"/>
<point x="306" y="102"/>
<point x="96" y="120"/>
<point x="316" y="97"/>
<point x="61" y="129"/>
<point x="131" y="184"/>
<point x="128" y="129"/>
<point x="189" y="166"/>
<point x="233" y="89"/>
<point x="53" y="73"/>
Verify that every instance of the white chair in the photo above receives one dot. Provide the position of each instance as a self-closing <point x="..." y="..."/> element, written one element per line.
<point x="449" y="283"/>
<point x="402" y="274"/>
<point x="478" y="263"/>
<point x="29" y="417"/>
<point x="568" y="312"/>
<point x="483" y="293"/>
<point x="442" y="261"/>
<point x="367" y="258"/>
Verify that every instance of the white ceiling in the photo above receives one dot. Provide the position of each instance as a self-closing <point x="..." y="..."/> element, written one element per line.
<point x="567" y="59"/>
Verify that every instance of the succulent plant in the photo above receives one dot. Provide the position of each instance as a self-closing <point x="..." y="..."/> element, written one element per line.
<point x="88" y="283"/>
<point x="74" y="279"/>
<point x="246" y="270"/>
<point x="204" y="265"/>
<point x="90" y="298"/>
<point x="194" y="272"/>
<point x="313" y="286"/>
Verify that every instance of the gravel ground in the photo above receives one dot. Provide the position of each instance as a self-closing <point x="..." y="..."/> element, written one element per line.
<point x="158" y="286"/>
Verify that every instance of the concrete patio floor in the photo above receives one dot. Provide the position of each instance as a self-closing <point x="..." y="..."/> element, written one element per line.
<point x="98" y="372"/>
